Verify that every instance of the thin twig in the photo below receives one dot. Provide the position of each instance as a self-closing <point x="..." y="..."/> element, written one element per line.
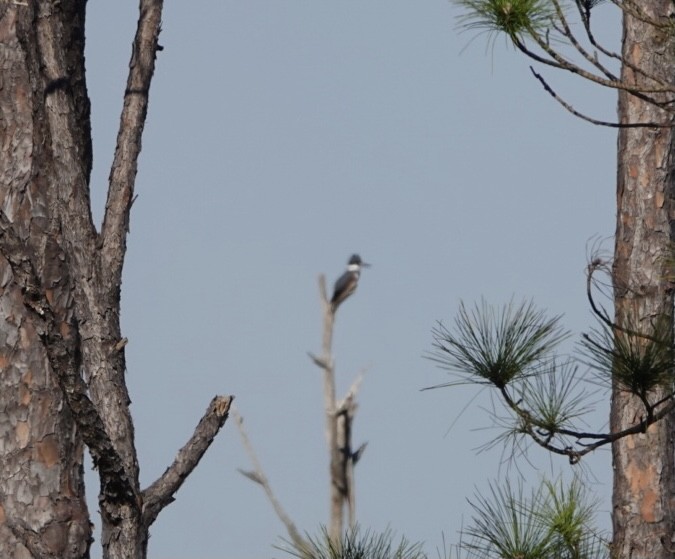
<point x="587" y="118"/>
<point x="562" y="64"/>
<point x="612" y="54"/>
<point x="602" y="314"/>
<point x="353" y="390"/>
<point x="567" y="32"/>
<point x="258" y="476"/>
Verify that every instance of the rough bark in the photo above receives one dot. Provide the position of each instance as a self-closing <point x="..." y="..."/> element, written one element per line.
<point x="42" y="509"/>
<point x="61" y="348"/>
<point x="644" y="471"/>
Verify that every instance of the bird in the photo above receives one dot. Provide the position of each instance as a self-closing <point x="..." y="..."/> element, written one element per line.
<point x="347" y="282"/>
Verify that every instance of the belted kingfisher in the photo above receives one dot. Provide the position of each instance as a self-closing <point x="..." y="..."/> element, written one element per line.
<point x="347" y="282"/>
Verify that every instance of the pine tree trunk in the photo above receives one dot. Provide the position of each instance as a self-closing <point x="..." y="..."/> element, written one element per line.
<point x="46" y="165"/>
<point x="644" y="469"/>
<point x="62" y="356"/>
<point x="42" y="503"/>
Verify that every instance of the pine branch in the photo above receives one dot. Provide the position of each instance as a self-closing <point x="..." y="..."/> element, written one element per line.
<point x="569" y="108"/>
<point x="566" y="31"/>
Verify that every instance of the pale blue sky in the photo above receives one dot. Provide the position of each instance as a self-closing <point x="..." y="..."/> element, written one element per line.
<point x="282" y="136"/>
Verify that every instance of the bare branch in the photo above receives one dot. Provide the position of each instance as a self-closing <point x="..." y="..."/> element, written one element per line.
<point x="585" y="18"/>
<point x="611" y="83"/>
<point x="582" y="116"/>
<point x="318" y="361"/>
<point x="253" y="476"/>
<point x="335" y="469"/>
<point x="562" y="64"/>
<point x="584" y="14"/>
<point x="339" y="419"/>
<point x="344" y="419"/>
<point x="323" y="292"/>
<point x="567" y="32"/>
<point x="160" y="493"/>
<point x="351" y="393"/>
<point x="258" y="476"/>
<point x="328" y="319"/>
<point x="356" y="455"/>
<point x="125" y="162"/>
<point x="599" y="312"/>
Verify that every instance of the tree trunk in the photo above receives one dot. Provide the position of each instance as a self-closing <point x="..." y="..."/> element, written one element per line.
<point x="62" y="362"/>
<point x="42" y="504"/>
<point x="644" y="470"/>
<point x="46" y="165"/>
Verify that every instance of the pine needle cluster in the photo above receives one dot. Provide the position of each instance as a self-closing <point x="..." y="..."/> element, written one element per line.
<point x="515" y="18"/>
<point x="511" y="349"/>
<point x="356" y="544"/>
<point x="555" y="521"/>
<point x="496" y="346"/>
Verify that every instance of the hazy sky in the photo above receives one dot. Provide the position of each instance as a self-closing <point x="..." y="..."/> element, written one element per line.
<point x="282" y="136"/>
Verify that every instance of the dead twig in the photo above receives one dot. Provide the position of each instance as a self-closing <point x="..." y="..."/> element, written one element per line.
<point x="258" y="476"/>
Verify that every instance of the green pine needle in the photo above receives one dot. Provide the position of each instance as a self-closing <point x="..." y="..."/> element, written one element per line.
<point x="496" y="346"/>
<point x="515" y="18"/>
<point x="556" y="521"/>
<point x="504" y="525"/>
<point x="355" y="544"/>
<point x="556" y="397"/>
<point x="569" y="514"/>
<point x="638" y="361"/>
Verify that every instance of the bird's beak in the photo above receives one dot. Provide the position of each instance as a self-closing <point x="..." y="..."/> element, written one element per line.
<point x="365" y="265"/>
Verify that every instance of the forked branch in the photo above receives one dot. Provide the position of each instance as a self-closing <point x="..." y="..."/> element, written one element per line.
<point x="542" y="433"/>
<point x="569" y="108"/>
<point x="566" y="31"/>
<point x="556" y="60"/>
